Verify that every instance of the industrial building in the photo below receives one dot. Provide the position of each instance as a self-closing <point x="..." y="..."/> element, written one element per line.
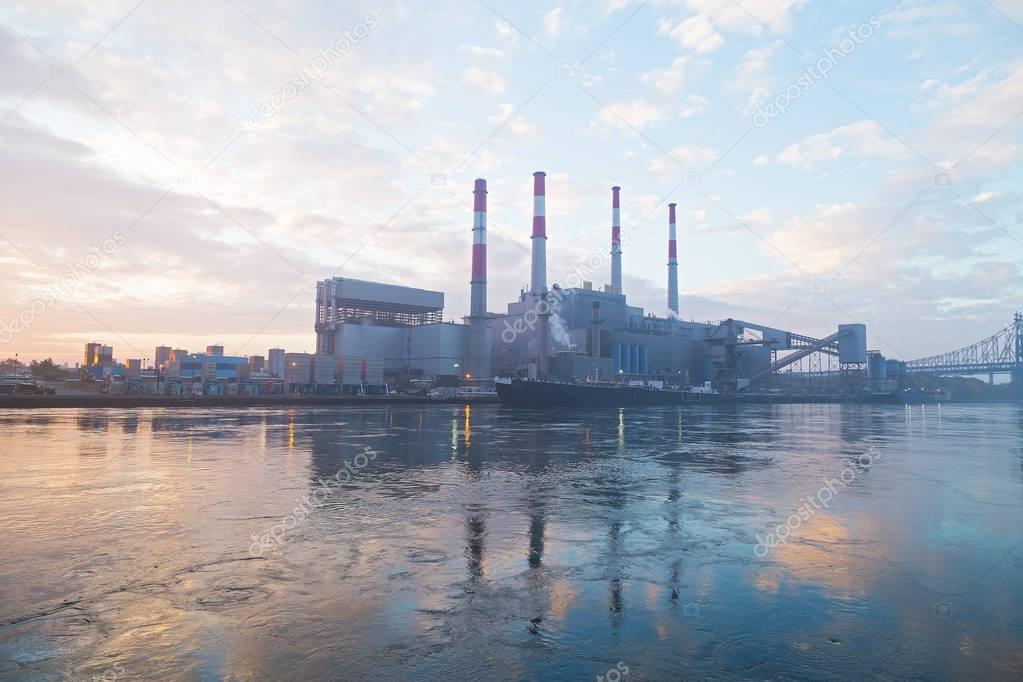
<point x="399" y="326"/>
<point x="570" y="330"/>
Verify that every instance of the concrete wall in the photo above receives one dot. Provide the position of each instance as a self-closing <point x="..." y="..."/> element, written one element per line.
<point x="436" y="348"/>
<point x="390" y="344"/>
<point x="432" y="348"/>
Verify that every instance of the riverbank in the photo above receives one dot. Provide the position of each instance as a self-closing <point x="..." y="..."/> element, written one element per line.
<point x="235" y="402"/>
<point x="129" y="402"/>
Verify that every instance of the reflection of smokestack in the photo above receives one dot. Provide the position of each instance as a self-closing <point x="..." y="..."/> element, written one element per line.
<point x="672" y="262"/>
<point x="478" y="297"/>
<point x="538" y="279"/>
<point x="616" y="242"/>
<point x="595" y="330"/>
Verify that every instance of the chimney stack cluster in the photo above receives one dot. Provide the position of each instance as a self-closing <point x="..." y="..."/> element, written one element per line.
<point x="538" y="270"/>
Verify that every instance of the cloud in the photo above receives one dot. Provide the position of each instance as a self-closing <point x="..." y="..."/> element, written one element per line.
<point x="683" y="158"/>
<point x="553" y="22"/>
<point x="506" y="31"/>
<point x="751" y="75"/>
<point x="751" y="72"/>
<point x="489" y="82"/>
<point x="751" y="16"/>
<point x="633" y="114"/>
<point x="515" y="126"/>
<point x="702" y="32"/>
<point x="480" y="51"/>
<point x="696" y="33"/>
<point x="669" y="79"/>
<point x="865" y="138"/>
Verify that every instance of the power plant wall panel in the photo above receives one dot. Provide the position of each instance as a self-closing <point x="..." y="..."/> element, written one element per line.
<point x="353" y="371"/>
<point x="437" y="348"/>
<point x="298" y="369"/>
<point x="324" y="368"/>
<point x="366" y="340"/>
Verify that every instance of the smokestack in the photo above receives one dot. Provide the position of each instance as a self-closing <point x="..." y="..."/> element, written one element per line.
<point x="538" y="279"/>
<point x="616" y="242"/>
<point x="672" y="262"/>
<point x="479" y="359"/>
<point x="478" y="284"/>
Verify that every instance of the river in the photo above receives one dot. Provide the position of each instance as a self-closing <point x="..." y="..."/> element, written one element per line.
<point x="446" y="542"/>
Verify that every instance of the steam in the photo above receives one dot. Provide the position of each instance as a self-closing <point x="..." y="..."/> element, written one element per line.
<point x="559" y="331"/>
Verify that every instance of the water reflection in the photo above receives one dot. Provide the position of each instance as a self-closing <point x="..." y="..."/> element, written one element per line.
<point x="490" y="543"/>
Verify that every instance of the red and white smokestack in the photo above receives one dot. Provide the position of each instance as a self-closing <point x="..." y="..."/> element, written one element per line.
<point x="538" y="276"/>
<point x="616" y="242"/>
<point x="672" y="262"/>
<point x="478" y="284"/>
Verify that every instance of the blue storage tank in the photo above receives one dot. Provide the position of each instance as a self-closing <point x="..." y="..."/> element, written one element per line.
<point x="643" y="368"/>
<point x="633" y="359"/>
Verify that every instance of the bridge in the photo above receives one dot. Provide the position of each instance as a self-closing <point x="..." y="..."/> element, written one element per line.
<point x="999" y="354"/>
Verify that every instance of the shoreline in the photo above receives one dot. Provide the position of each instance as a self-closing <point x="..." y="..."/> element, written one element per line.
<point x="135" y="402"/>
<point x="239" y="402"/>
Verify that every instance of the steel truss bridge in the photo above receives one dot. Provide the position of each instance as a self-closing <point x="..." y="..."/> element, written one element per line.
<point x="999" y="354"/>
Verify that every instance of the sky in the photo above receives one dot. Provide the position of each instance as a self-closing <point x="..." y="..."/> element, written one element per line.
<point x="182" y="173"/>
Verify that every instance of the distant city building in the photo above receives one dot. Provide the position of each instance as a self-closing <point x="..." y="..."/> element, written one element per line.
<point x="162" y="357"/>
<point x="91" y="357"/>
<point x="275" y="362"/>
<point x="256" y="363"/>
<point x="133" y="369"/>
<point x="214" y="350"/>
<point x="176" y="355"/>
<point x="98" y="355"/>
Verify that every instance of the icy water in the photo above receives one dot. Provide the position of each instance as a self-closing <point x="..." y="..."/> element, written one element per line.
<point x="441" y="542"/>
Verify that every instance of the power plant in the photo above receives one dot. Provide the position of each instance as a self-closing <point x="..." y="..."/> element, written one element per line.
<point x="563" y="343"/>
<point x="568" y="331"/>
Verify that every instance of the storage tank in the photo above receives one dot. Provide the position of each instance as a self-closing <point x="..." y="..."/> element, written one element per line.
<point x="852" y="346"/>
